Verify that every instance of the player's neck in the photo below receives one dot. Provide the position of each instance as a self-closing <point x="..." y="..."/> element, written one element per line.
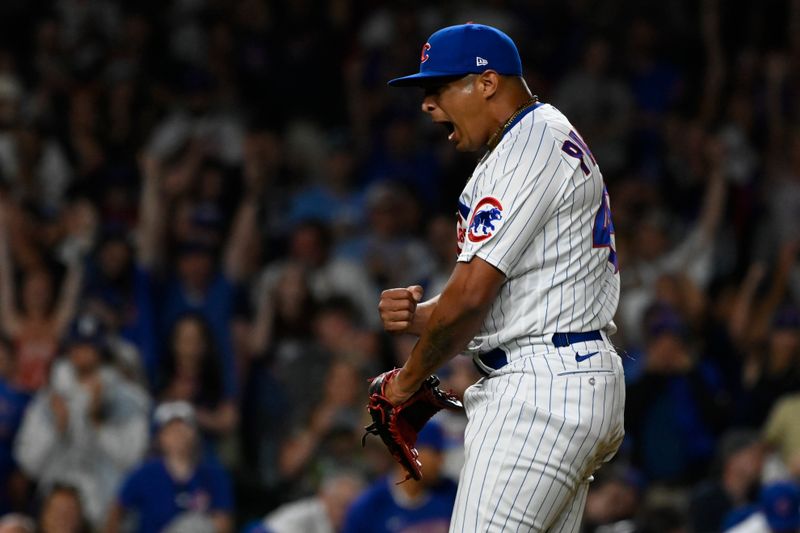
<point x="506" y="112"/>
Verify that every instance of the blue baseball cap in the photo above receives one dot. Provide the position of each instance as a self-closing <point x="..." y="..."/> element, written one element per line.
<point x="431" y="436"/>
<point x="87" y="329"/>
<point x="464" y="49"/>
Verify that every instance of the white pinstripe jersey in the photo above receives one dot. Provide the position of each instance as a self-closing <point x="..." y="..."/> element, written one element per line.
<point x="536" y="208"/>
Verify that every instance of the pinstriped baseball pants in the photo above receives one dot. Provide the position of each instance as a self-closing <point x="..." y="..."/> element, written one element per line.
<point x="537" y="429"/>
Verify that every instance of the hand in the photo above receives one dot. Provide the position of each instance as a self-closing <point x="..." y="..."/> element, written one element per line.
<point x="60" y="411"/>
<point x="398" y="307"/>
<point x="150" y="165"/>
<point x="94" y="386"/>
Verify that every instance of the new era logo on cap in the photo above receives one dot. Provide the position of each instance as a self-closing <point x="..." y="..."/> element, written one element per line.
<point x="464" y="49"/>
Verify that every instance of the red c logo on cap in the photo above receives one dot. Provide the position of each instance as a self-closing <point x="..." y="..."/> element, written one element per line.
<point x="424" y="55"/>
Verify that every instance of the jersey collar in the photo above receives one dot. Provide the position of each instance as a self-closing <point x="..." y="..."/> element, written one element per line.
<point x="516" y="119"/>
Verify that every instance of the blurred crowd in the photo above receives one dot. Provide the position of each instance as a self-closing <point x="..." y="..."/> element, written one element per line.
<point x="200" y="201"/>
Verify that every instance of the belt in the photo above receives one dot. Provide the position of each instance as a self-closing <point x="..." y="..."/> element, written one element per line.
<point x="497" y="359"/>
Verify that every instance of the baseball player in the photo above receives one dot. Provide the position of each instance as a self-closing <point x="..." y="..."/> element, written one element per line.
<point x="531" y="297"/>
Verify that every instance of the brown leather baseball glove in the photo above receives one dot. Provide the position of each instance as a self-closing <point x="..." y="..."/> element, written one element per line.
<point x="399" y="425"/>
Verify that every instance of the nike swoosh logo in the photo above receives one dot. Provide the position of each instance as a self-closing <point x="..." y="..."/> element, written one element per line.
<point x="579" y="357"/>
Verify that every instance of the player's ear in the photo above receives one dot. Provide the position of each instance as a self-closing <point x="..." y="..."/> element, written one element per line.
<point x="488" y="82"/>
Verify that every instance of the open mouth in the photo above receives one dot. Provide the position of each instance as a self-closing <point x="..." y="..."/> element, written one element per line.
<point x="449" y="126"/>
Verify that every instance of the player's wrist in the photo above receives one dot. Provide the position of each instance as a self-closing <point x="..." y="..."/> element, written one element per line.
<point x="406" y="383"/>
<point x="420" y="318"/>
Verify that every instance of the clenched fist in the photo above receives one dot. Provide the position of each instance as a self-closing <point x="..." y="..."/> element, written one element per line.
<point x="398" y="309"/>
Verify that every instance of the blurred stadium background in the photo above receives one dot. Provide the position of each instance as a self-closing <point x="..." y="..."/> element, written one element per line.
<point x="200" y="201"/>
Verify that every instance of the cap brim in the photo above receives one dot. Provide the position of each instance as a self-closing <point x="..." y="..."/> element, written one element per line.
<point x="421" y="79"/>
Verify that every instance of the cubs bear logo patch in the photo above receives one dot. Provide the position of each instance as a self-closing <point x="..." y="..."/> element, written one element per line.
<point x="487" y="217"/>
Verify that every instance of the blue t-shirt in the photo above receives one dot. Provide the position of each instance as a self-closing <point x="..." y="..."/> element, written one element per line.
<point x="376" y="511"/>
<point x="142" y="327"/>
<point x="152" y="493"/>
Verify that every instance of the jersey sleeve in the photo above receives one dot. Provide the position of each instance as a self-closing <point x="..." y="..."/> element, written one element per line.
<point x="516" y="200"/>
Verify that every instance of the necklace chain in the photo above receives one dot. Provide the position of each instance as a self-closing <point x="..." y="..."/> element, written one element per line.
<point x="494" y="140"/>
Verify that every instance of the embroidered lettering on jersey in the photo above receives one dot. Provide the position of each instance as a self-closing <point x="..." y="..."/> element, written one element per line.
<point x="487" y="217"/>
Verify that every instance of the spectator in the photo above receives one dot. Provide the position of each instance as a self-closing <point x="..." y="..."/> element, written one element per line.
<point x="613" y="500"/>
<point x="322" y="513"/>
<point x="191" y="373"/>
<point x="652" y="256"/>
<point x="87" y="427"/>
<point x="310" y="246"/>
<point x="393" y="255"/>
<point x="116" y="290"/>
<point x="775" y="370"/>
<point x="339" y="331"/>
<point x="674" y="411"/>
<point x="399" y="157"/>
<point x="329" y="436"/>
<point x="599" y="104"/>
<point x="778" y="511"/>
<point x="288" y="370"/>
<point x="782" y="432"/>
<point x="282" y="312"/>
<point x="195" y="284"/>
<point x="179" y="489"/>
<point x="332" y="200"/>
<point x="37" y="326"/>
<point x="424" y="505"/>
<point x="741" y="457"/>
<point x="63" y="512"/>
<point x="201" y="120"/>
